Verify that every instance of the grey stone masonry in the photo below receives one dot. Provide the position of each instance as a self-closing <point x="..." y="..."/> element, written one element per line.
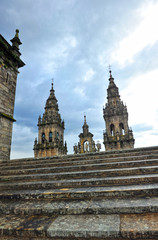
<point x="9" y="63"/>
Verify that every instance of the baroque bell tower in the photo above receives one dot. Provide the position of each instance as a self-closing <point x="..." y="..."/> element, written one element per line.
<point x="117" y="135"/>
<point x="50" y="130"/>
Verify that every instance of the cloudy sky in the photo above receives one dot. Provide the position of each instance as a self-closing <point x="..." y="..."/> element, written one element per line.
<point x="74" y="41"/>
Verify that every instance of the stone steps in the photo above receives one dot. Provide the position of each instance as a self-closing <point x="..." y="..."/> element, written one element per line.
<point x="56" y="163"/>
<point x="82" y="174"/>
<point x="107" y="195"/>
<point x="80" y="166"/>
<point x="79" y="207"/>
<point x="92" y="227"/>
<point x="77" y="183"/>
<point x="84" y="193"/>
<point x="102" y="155"/>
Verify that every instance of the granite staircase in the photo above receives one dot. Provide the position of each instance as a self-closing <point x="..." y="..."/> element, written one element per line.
<point x="106" y="195"/>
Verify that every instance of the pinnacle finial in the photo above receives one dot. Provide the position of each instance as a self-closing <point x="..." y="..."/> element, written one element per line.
<point x="17" y="33"/>
<point x="52" y="89"/>
<point x="16" y="42"/>
<point x="110" y="71"/>
<point x="52" y="84"/>
<point x="84" y="118"/>
<point x="52" y="81"/>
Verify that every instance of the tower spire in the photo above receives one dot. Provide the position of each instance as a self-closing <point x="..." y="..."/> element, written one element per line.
<point x="84" y="118"/>
<point x="110" y="71"/>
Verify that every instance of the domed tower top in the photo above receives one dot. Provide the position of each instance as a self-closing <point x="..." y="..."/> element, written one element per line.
<point x="112" y="90"/>
<point x="51" y="114"/>
<point x="52" y="102"/>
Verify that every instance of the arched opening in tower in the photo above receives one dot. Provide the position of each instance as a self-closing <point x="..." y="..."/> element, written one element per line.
<point x="86" y="146"/>
<point x="50" y="136"/>
<point x="112" y="130"/>
<point x="43" y="137"/>
<point x="122" y="130"/>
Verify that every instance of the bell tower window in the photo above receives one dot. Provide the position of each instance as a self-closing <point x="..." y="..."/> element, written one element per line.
<point x="57" y="135"/>
<point x="122" y="131"/>
<point x="50" y="136"/>
<point x="112" y="130"/>
<point x="43" y="137"/>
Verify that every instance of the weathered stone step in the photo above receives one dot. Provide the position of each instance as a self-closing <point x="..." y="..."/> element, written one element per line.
<point x="146" y="190"/>
<point x="94" y="227"/>
<point x="77" y="183"/>
<point x="78" y="207"/>
<point x="106" y="154"/>
<point x="82" y="174"/>
<point x="10" y="165"/>
<point x="79" y="167"/>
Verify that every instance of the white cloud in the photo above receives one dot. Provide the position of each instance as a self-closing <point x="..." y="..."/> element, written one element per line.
<point x="142" y="98"/>
<point x="56" y="55"/>
<point x="88" y="76"/>
<point x="146" y="138"/>
<point x="23" y="137"/>
<point x="146" y="33"/>
<point x="73" y="41"/>
<point x="80" y="91"/>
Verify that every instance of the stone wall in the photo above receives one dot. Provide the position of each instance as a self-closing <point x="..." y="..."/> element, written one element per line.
<point x="7" y="89"/>
<point x="5" y="137"/>
<point x="9" y="63"/>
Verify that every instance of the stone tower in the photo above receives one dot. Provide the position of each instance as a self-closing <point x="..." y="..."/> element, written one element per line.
<point x="86" y="143"/>
<point x="9" y="63"/>
<point x="50" y="130"/>
<point x="117" y="135"/>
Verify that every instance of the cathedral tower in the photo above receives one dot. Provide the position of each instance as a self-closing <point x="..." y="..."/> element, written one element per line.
<point x="117" y="135"/>
<point x="86" y="143"/>
<point x="10" y="62"/>
<point x="50" y="130"/>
